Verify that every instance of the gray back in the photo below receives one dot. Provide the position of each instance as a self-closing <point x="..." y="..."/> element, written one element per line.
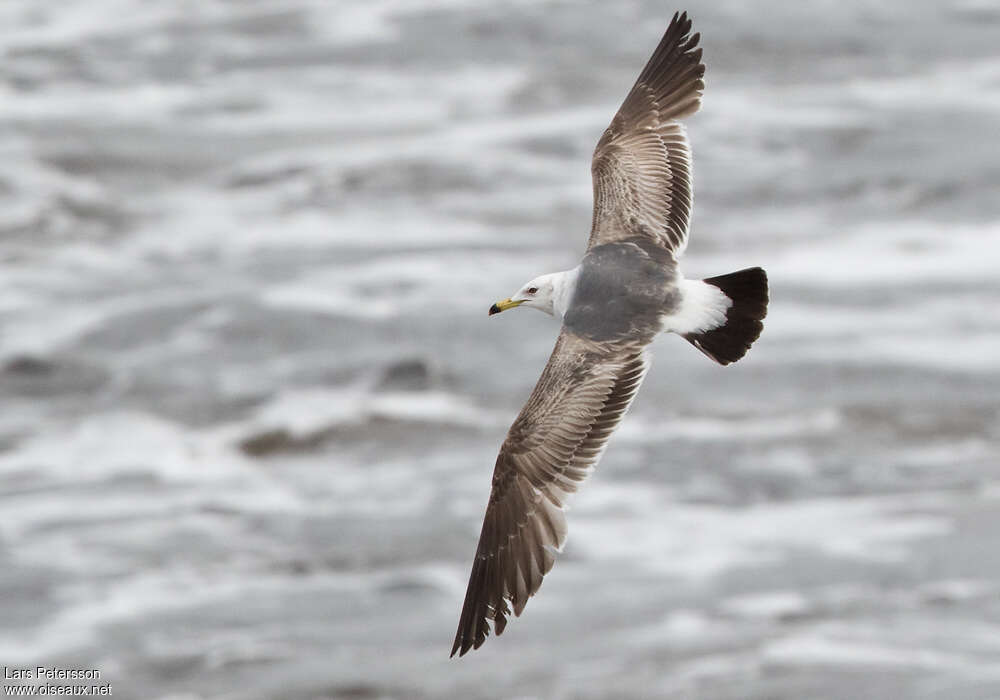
<point x="622" y="290"/>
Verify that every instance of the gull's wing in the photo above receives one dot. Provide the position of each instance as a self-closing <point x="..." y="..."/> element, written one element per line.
<point x="553" y="445"/>
<point x="642" y="164"/>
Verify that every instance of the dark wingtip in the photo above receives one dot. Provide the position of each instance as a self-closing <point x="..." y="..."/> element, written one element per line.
<point x="460" y="647"/>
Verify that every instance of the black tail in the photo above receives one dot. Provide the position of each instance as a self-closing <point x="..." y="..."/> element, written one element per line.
<point x="747" y="289"/>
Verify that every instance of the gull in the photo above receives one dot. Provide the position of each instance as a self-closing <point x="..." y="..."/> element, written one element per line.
<point x="627" y="289"/>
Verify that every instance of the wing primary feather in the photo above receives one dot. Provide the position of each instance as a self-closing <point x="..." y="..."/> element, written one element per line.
<point x="525" y="526"/>
<point x="642" y="165"/>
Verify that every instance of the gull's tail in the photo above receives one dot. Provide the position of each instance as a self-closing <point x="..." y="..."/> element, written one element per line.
<point x="721" y="316"/>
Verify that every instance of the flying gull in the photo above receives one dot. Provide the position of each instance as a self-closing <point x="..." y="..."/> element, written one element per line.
<point x="627" y="289"/>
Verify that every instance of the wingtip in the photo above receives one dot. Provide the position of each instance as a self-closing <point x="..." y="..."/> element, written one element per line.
<point x="460" y="647"/>
<point x="684" y="22"/>
<point x="469" y="641"/>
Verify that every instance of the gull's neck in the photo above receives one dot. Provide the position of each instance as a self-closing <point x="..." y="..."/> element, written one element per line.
<point x="563" y="286"/>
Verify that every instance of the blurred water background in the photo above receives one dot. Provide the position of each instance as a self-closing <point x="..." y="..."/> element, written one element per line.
<point x="251" y="397"/>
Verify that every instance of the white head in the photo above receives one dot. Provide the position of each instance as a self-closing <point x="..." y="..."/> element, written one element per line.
<point x="546" y="293"/>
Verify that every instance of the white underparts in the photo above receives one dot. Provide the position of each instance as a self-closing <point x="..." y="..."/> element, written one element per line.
<point x="703" y="307"/>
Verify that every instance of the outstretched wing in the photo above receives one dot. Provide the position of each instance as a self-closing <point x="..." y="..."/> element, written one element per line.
<point x="553" y="445"/>
<point x="642" y="164"/>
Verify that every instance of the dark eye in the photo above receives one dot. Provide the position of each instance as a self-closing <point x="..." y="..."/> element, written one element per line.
<point x="532" y="290"/>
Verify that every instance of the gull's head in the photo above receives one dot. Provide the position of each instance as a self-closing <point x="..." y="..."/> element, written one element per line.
<point x="538" y="294"/>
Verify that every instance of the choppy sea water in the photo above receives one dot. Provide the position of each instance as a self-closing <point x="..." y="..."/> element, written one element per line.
<point x="250" y="397"/>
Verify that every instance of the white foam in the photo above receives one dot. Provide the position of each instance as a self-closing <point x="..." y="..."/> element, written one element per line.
<point x="433" y="406"/>
<point x="91" y="605"/>
<point x="390" y="285"/>
<point x="302" y="412"/>
<point x="947" y="453"/>
<point x="887" y="253"/>
<point x="683" y="629"/>
<point x="951" y="314"/>
<point x="372" y="20"/>
<point x="956" y="84"/>
<point x="696" y="541"/>
<point x="643" y="430"/>
<point x="103" y="444"/>
<point x="861" y="645"/>
<point x="224" y="228"/>
<point x="306" y="298"/>
<point x="79" y="454"/>
<point x="770" y="604"/>
<point x="958" y="589"/>
<point x="26" y="24"/>
<point x="55" y="316"/>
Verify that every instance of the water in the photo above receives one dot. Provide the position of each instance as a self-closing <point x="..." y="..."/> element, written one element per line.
<point x="251" y="397"/>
